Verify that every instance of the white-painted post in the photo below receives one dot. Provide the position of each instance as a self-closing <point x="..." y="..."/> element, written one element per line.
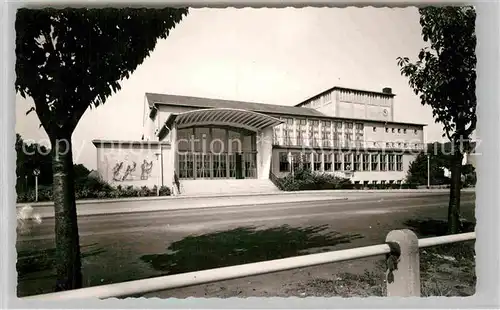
<point x="428" y="171"/>
<point x="159" y="175"/>
<point x="36" y="188"/>
<point x="407" y="275"/>
<point x="36" y="173"/>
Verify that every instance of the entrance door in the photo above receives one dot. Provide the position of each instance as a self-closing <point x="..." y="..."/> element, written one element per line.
<point x="239" y="166"/>
<point x="202" y="165"/>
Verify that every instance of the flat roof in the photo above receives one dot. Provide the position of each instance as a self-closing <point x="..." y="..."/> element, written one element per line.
<point x="347" y="89"/>
<point x="280" y="110"/>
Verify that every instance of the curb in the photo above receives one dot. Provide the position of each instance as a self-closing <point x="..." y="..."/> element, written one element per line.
<point x="299" y="193"/>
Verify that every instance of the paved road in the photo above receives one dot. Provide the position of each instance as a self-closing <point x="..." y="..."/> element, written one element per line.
<point x="113" y="244"/>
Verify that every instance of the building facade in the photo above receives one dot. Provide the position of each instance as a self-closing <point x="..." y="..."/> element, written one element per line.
<point x="347" y="132"/>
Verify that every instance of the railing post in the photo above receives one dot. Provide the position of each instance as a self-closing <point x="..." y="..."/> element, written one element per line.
<point x="406" y="277"/>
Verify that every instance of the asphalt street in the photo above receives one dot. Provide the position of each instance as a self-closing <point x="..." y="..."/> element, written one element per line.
<point x="112" y="245"/>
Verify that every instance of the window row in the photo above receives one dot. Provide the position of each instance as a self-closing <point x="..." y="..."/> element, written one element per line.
<point x="318" y="101"/>
<point x="381" y="182"/>
<point x="393" y="130"/>
<point x="313" y="124"/>
<point x="340" y="161"/>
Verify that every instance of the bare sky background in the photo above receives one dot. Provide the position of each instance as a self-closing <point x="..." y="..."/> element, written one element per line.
<point x="275" y="56"/>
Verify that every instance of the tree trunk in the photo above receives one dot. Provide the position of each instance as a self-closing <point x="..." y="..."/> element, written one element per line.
<point x="67" y="254"/>
<point x="456" y="184"/>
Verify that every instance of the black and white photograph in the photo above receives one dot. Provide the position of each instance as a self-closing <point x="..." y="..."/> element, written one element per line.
<point x="177" y="152"/>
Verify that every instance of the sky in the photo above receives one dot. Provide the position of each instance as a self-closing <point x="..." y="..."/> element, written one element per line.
<point x="274" y="56"/>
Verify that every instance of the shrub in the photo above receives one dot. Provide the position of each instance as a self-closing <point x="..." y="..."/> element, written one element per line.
<point x="305" y="179"/>
<point x="164" y="191"/>
<point x="93" y="188"/>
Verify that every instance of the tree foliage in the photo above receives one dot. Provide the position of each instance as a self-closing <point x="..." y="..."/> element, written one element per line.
<point x="31" y="156"/>
<point x="444" y="76"/>
<point x="417" y="172"/>
<point x="68" y="60"/>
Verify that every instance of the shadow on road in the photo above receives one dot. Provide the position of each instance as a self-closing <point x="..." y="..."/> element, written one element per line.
<point x="243" y="245"/>
<point x="430" y="227"/>
<point x="36" y="261"/>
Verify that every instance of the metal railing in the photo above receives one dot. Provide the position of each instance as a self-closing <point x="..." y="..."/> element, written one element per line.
<point x="406" y="276"/>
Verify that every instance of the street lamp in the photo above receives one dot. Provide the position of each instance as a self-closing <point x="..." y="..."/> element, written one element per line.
<point x="36" y="173"/>
<point x="428" y="171"/>
<point x="159" y="174"/>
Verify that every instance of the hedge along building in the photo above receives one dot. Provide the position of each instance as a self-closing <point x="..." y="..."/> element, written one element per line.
<point x="228" y="146"/>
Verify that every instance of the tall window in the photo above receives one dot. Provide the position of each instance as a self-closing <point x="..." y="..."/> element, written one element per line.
<point x="338" y="161"/>
<point x="326" y="136"/>
<point x="314" y="133"/>
<point x="347" y="162"/>
<point x="328" y="161"/>
<point x="359" y="134"/>
<point x="399" y="162"/>
<point x="337" y="134"/>
<point x="186" y="166"/>
<point x="301" y="132"/>
<point x="391" y="162"/>
<point x="219" y="165"/>
<point x="288" y="131"/>
<point x="348" y="134"/>
<point x="357" y="162"/>
<point x="317" y="161"/>
<point x="366" y="162"/>
<point x="296" y="161"/>
<point x="306" y="161"/>
<point x="327" y="97"/>
<point x="284" y="164"/>
<point x="383" y="162"/>
<point x="374" y="162"/>
<point x="277" y="134"/>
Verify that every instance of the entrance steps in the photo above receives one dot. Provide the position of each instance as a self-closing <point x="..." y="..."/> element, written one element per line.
<point x="226" y="187"/>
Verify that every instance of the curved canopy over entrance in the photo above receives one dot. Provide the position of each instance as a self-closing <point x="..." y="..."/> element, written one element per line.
<point x="230" y="117"/>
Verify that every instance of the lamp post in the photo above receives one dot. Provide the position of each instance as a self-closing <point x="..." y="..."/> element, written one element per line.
<point x="36" y="173"/>
<point x="159" y="174"/>
<point x="428" y="171"/>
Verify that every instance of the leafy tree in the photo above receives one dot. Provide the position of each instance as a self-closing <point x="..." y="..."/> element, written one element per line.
<point x="469" y="172"/>
<point x="444" y="77"/>
<point x="417" y="172"/>
<point x="68" y="60"/>
<point x="31" y="156"/>
<point x="81" y="172"/>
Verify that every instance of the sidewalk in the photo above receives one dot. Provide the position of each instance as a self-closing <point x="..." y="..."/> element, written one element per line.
<point x="166" y="203"/>
<point x="151" y="205"/>
<point x="280" y="193"/>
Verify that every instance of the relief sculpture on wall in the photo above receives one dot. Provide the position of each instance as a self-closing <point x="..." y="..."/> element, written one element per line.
<point x="146" y="169"/>
<point x="122" y="169"/>
<point x="127" y="174"/>
<point x="116" y="171"/>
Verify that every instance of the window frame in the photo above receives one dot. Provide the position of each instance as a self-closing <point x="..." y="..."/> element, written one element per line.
<point x="285" y="163"/>
<point x="374" y="164"/>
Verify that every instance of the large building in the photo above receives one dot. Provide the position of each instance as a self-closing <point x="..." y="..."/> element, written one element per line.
<point x="347" y="132"/>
